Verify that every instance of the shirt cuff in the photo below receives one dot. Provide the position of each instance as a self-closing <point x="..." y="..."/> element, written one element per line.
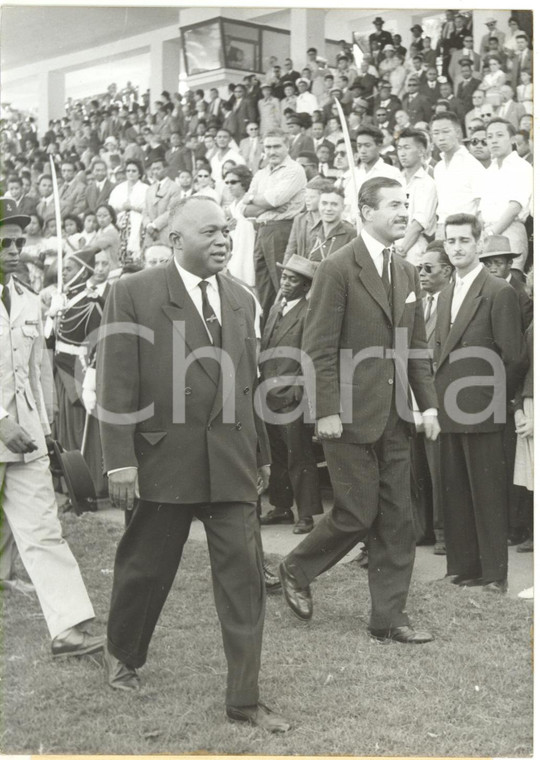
<point x="120" y="469"/>
<point x="430" y="412"/>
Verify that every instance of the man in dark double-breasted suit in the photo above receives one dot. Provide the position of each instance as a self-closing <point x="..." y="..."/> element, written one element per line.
<point x="366" y="303"/>
<point x="478" y="345"/>
<point x="293" y="473"/>
<point x="180" y="427"/>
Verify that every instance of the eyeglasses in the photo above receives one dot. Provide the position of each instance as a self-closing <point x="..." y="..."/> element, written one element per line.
<point x="477" y="141"/>
<point x="428" y="268"/>
<point x="7" y="242"/>
<point x="232" y="181"/>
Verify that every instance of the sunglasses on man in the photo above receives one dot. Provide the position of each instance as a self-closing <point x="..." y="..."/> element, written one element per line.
<point x="7" y="242"/>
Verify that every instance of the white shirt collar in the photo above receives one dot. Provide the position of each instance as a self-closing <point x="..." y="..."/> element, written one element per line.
<point x="191" y="281"/>
<point x="375" y="248"/>
<point x="470" y="277"/>
<point x="290" y="305"/>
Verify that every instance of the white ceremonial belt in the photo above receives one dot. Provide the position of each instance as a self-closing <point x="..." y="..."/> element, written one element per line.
<point x="69" y="348"/>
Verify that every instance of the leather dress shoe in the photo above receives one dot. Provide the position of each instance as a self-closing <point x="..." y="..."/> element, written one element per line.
<point x="304" y="525"/>
<point x="260" y="716"/>
<point x="496" y="587"/>
<point x="465" y="580"/>
<point x="298" y="599"/>
<point x="362" y="558"/>
<point x="276" y="516"/>
<point x="75" y="643"/>
<point x="119" y="675"/>
<point x="402" y="633"/>
<point x="526" y="546"/>
<point x="271" y="581"/>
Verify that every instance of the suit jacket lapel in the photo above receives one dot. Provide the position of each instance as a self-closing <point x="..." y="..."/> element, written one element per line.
<point x="466" y="312"/>
<point x="233" y="332"/>
<point x="290" y="319"/>
<point x="399" y="288"/>
<point x="187" y="320"/>
<point x="370" y="277"/>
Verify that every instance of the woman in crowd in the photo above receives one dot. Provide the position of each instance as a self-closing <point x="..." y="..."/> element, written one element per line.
<point x="107" y="237"/>
<point x="72" y="228"/>
<point x="128" y="200"/>
<point x="493" y="81"/>
<point x="90" y="228"/>
<point x="524" y="91"/>
<point x="241" y="264"/>
<point x="205" y="184"/>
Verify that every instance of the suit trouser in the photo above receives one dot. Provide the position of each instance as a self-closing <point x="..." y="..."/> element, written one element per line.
<point x="147" y="559"/>
<point x="372" y="503"/>
<point x="515" y="507"/>
<point x="30" y="509"/>
<point x="270" y="244"/>
<point x="475" y="505"/>
<point x="293" y="472"/>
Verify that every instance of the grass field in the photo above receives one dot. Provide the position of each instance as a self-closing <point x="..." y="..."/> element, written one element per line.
<point x="469" y="693"/>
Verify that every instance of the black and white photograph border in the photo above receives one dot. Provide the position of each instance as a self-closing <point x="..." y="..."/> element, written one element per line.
<point x="467" y="693"/>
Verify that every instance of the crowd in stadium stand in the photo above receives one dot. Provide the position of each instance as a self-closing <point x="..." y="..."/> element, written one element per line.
<point x="452" y="125"/>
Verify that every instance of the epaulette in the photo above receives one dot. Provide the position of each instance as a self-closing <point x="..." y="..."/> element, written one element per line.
<point x="18" y="284"/>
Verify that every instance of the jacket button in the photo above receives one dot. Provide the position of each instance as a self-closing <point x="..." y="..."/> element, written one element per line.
<point x="238" y="426"/>
<point x="390" y="381"/>
<point x="188" y="391"/>
<point x="246" y="389"/>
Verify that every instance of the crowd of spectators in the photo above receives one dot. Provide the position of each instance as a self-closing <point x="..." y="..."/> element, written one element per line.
<point x="452" y="125"/>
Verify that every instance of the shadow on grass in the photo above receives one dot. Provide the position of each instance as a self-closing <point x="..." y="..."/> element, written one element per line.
<point x="469" y="693"/>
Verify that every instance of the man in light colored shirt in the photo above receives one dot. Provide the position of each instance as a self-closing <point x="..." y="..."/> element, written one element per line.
<point x="305" y="101"/>
<point x="458" y="176"/>
<point x="275" y="197"/>
<point x="223" y="153"/>
<point x="478" y="334"/>
<point x="507" y="190"/>
<point x="421" y="192"/>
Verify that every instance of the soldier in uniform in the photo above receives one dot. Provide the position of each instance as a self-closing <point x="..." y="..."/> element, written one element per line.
<point x="28" y="500"/>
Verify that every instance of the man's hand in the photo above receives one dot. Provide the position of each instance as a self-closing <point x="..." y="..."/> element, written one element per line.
<point x="263" y="478"/>
<point x="124" y="488"/>
<point x="524" y="425"/>
<point x="431" y="426"/>
<point x="329" y="427"/>
<point x="15" y="437"/>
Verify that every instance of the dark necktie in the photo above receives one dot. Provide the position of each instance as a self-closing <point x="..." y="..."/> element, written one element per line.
<point x="6" y="298"/>
<point x="385" y="277"/>
<point x="210" y="319"/>
<point x="429" y="307"/>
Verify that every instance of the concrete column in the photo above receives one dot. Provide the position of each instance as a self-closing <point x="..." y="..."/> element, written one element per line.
<point x="52" y="98"/>
<point x="164" y="67"/>
<point x="307" y="30"/>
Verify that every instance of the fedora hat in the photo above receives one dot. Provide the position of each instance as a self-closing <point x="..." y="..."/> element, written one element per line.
<point x="496" y="245"/>
<point x="72" y="466"/>
<point x="9" y="213"/>
<point x="301" y="266"/>
<point x="378" y="20"/>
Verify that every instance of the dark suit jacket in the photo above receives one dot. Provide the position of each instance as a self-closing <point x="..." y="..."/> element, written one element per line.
<point x="27" y="205"/>
<point x="432" y="95"/>
<point x="287" y="333"/>
<point x="206" y="458"/>
<point x="465" y="92"/>
<point x="237" y="121"/>
<point x="175" y="161"/>
<point x="95" y="197"/>
<point x="525" y="303"/>
<point x="418" y="109"/>
<point x="303" y="143"/>
<point x="394" y="104"/>
<point x="187" y="158"/>
<point x="349" y="310"/>
<point x="489" y="318"/>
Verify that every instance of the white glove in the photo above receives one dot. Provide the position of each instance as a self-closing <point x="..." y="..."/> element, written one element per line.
<point x="58" y="304"/>
<point x="88" y="395"/>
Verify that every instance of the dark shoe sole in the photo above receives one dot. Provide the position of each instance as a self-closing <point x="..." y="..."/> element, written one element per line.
<point x="93" y="649"/>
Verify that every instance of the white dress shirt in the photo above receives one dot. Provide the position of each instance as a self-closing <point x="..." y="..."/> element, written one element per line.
<point x="375" y="250"/>
<point x="459" y="184"/>
<point x="191" y="283"/>
<point x="290" y="305"/>
<point x="461" y="288"/>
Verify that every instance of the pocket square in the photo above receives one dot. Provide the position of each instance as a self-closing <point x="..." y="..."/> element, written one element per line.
<point x="411" y="298"/>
